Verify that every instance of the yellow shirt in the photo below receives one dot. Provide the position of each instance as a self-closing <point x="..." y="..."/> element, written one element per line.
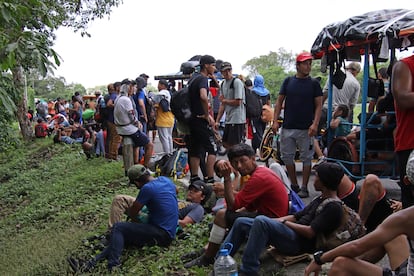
<point x="164" y="119"/>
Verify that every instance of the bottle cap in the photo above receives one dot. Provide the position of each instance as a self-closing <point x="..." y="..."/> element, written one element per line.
<point x="224" y="252"/>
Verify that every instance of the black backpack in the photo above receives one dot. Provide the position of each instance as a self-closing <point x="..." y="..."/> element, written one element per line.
<point x="150" y="110"/>
<point x="253" y="102"/>
<point x="180" y="104"/>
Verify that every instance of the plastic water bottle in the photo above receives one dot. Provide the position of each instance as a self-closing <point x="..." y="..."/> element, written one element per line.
<point x="225" y="265"/>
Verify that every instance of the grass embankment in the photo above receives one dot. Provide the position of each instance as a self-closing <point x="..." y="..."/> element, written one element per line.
<point x="52" y="198"/>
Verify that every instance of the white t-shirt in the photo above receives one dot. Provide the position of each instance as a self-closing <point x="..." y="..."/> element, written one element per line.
<point x="122" y="117"/>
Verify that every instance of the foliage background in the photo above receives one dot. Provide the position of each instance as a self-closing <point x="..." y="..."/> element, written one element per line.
<point x="53" y="199"/>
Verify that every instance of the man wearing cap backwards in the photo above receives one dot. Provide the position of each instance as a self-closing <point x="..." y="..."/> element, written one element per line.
<point x="159" y="196"/>
<point x="190" y="211"/>
<point x="201" y="123"/>
<point x="345" y="257"/>
<point x="403" y="90"/>
<point x="232" y="100"/>
<point x="301" y="96"/>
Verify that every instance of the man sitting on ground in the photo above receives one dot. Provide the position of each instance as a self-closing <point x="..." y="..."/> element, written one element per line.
<point x="398" y="225"/>
<point x="74" y="133"/>
<point x="190" y="211"/>
<point x="292" y="234"/>
<point x="159" y="195"/>
<point x="262" y="194"/>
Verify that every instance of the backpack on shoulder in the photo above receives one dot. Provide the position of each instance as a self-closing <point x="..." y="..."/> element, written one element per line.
<point x="180" y="106"/>
<point x="164" y="104"/>
<point x="253" y="102"/>
<point x="150" y="110"/>
<point x="351" y="228"/>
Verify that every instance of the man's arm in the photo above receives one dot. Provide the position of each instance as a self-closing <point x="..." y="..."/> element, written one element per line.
<point x="220" y="113"/>
<point x="142" y="107"/>
<point x="229" y="192"/>
<point x="185" y="221"/>
<point x="278" y="108"/>
<point x="134" y="210"/>
<point x="303" y="230"/>
<point x="313" y="129"/>
<point x="204" y="104"/>
<point x="392" y="227"/>
<point x="402" y="86"/>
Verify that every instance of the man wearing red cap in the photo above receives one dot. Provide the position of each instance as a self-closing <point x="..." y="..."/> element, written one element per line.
<point x="301" y="97"/>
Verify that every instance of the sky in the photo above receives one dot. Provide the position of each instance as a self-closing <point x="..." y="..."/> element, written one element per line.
<point x="156" y="36"/>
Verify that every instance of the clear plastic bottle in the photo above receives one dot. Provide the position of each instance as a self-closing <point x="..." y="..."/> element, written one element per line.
<point x="225" y="265"/>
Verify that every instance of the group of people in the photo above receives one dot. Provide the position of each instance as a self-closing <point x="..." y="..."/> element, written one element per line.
<point x="256" y="201"/>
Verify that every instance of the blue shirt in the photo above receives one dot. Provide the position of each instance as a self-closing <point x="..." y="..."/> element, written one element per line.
<point x="160" y="197"/>
<point x="300" y="97"/>
<point x="139" y="95"/>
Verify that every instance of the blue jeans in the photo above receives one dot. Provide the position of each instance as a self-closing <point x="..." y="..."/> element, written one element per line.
<point x="135" y="234"/>
<point x="144" y="130"/>
<point x="100" y="146"/>
<point x="261" y="231"/>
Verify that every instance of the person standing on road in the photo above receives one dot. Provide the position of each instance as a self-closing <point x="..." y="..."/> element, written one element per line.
<point x="403" y="91"/>
<point x="201" y="124"/>
<point x="258" y="125"/>
<point x="164" y="119"/>
<point x="232" y="100"/>
<point x="301" y="96"/>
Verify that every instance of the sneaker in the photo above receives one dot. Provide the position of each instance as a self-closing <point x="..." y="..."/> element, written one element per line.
<point x="303" y="193"/>
<point x="295" y="188"/>
<point x="192" y="255"/>
<point x="200" y="261"/>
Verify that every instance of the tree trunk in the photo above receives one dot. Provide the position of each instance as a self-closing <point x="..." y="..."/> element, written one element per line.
<point x="21" y="104"/>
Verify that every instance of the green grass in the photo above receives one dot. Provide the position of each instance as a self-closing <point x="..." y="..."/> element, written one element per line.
<point x="52" y="198"/>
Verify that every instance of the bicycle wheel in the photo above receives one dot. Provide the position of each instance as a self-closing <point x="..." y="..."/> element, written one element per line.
<point x="266" y="145"/>
<point x="342" y="150"/>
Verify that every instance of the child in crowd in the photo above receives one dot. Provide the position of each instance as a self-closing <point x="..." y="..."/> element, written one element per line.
<point x="339" y="121"/>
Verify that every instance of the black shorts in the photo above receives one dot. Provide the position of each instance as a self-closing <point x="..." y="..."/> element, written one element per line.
<point x="234" y="134"/>
<point x="381" y="211"/>
<point x="201" y="139"/>
<point x="231" y="216"/>
<point x="139" y="138"/>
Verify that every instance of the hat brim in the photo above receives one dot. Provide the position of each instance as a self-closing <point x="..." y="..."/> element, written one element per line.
<point x="226" y="68"/>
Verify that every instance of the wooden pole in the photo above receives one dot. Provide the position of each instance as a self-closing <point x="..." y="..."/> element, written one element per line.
<point x="127" y="153"/>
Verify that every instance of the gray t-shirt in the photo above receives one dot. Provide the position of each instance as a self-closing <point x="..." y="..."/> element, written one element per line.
<point x="348" y="95"/>
<point x="234" y="114"/>
<point x="194" y="210"/>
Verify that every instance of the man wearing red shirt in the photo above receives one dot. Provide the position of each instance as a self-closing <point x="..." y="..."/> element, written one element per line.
<point x="263" y="194"/>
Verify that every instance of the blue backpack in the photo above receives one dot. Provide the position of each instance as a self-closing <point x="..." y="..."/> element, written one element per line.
<point x="295" y="203"/>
